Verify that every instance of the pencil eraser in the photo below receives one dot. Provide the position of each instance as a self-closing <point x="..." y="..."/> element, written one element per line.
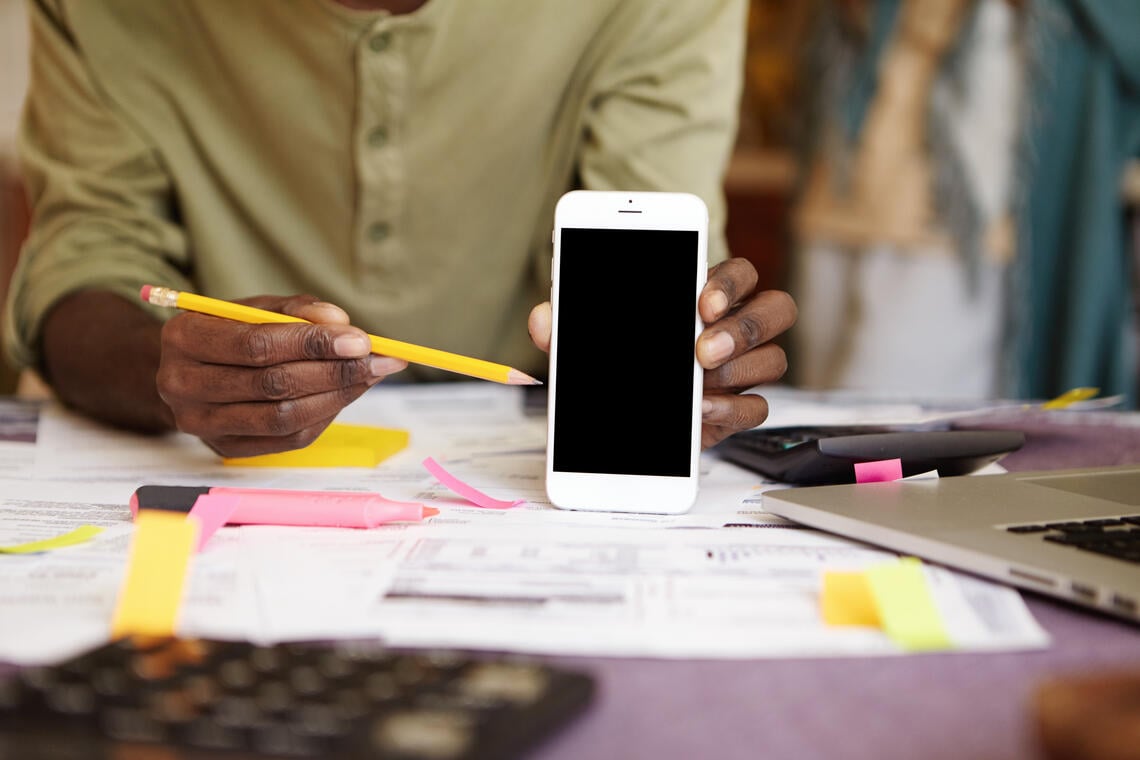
<point x="144" y="293"/>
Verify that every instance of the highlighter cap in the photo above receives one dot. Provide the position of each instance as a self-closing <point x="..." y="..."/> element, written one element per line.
<point x="168" y="498"/>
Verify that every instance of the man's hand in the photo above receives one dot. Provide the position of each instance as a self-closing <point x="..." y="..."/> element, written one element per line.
<point x="736" y="347"/>
<point x="256" y="389"/>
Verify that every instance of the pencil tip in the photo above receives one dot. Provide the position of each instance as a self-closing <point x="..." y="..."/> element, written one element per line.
<point x="514" y="377"/>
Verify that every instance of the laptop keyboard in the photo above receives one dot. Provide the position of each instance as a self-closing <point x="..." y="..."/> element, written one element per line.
<point x="192" y="699"/>
<point x="1117" y="537"/>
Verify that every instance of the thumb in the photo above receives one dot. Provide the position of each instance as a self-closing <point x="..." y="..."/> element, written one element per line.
<point x="539" y="325"/>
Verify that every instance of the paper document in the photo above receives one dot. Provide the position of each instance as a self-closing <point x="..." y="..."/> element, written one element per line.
<point x="531" y="578"/>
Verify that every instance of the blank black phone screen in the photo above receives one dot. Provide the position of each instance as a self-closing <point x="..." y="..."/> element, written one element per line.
<point x="627" y="304"/>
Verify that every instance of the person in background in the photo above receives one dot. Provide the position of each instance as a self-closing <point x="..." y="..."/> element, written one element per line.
<point x="961" y="229"/>
<point x="398" y="158"/>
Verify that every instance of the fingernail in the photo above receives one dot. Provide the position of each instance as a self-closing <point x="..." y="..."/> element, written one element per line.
<point x="382" y="366"/>
<point x="351" y="345"/>
<point x="717" y="347"/>
<point x="707" y="408"/>
<point x="719" y="302"/>
<point x="323" y="311"/>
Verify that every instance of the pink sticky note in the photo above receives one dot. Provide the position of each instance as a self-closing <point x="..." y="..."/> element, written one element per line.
<point x="473" y="495"/>
<point x="878" y="472"/>
<point x="212" y="511"/>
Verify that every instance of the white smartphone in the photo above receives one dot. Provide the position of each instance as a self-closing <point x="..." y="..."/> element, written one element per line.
<point x="624" y="420"/>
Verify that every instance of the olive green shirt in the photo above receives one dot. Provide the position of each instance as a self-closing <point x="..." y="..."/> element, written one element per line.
<point x="404" y="167"/>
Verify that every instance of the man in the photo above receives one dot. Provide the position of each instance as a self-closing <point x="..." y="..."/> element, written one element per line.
<point x="400" y="158"/>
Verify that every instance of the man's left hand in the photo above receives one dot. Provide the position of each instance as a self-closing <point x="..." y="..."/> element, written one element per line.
<point x="735" y="348"/>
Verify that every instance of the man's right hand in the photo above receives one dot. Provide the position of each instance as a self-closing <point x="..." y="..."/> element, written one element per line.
<point x="256" y="389"/>
<point x="243" y="389"/>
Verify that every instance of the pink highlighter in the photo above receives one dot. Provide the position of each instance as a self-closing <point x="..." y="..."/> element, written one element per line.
<point x="268" y="506"/>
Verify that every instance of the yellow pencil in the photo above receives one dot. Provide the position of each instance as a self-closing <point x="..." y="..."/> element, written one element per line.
<point x="430" y="357"/>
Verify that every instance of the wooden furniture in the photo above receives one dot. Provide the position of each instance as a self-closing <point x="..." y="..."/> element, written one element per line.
<point x="759" y="188"/>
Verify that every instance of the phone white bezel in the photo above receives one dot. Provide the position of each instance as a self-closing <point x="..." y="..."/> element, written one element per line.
<point x="622" y="492"/>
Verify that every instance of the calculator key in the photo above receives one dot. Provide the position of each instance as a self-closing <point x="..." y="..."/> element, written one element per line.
<point x="150" y="697"/>
<point x="440" y="735"/>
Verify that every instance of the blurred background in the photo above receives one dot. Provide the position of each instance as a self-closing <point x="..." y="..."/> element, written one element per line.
<point x="13" y="211"/>
<point x="947" y="187"/>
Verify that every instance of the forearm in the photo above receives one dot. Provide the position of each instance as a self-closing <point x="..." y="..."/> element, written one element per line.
<point x="100" y="354"/>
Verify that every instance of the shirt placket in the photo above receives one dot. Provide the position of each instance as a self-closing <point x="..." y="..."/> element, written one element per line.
<point x="381" y="179"/>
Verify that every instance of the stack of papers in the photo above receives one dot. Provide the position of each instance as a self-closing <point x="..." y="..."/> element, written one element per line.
<point x="723" y="581"/>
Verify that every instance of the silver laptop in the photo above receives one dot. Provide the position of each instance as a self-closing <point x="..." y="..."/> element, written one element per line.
<point x="1074" y="534"/>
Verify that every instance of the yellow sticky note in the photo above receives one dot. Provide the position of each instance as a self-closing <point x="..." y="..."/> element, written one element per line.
<point x="847" y="600"/>
<point x="339" y="445"/>
<point x="156" y="574"/>
<point x="1071" y="397"/>
<point x="80" y="535"/>
<point x="907" y="610"/>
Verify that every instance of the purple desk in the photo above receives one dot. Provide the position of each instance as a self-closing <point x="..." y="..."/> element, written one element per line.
<point x="952" y="706"/>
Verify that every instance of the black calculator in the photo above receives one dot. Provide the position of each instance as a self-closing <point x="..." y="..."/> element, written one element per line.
<point x="820" y="455"/>
<point x="195" y="699"/>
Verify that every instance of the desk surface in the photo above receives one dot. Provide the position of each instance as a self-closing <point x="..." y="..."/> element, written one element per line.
<point x="953" y="706"/>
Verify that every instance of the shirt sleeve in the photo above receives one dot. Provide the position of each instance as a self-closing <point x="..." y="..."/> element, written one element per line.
<point x="102" y="205"/>
<point x="665" y="106"/>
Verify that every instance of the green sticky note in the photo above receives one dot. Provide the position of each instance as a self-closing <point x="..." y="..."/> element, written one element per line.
<point x="906" y="607"/>
<point x="80" y="535"/>
<point x="339" y="445"/>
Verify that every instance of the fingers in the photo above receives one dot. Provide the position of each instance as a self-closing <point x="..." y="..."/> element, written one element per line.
<point x="222" y="341"/>
<point x="303" y="306"/>
<point x="245" y="429"/>
<point x="196" y="382"/>
<point x="259" y="424"/>
<point x="251" y="446"/>
<point x="248" y="389"/>
<point x="540" y="325"/>
<point x="758" y="320"/>
<point x="723" y="414"/>
<point x="764" y="364"/>
<point x="241" y="411"/>
<point x="736" y="347"/>
<point x="729" y="283"/>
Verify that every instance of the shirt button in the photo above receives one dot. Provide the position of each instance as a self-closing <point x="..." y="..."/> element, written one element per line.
<point x="379" y="42"/>
<point x="378" y="231"/>
<point x="378" y="136"/>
